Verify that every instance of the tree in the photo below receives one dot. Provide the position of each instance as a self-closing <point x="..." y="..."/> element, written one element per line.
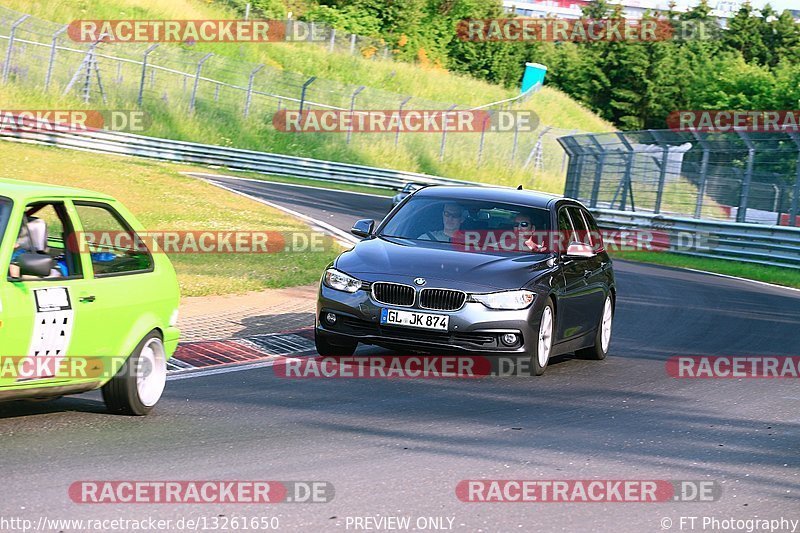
<point x="745" y="33"/>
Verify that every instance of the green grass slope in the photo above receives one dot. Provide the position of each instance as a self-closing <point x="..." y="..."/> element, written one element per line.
<point x="416" y="152"/>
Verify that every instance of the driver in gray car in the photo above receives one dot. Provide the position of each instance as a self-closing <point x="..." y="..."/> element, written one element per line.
<point x="452" y="218"/>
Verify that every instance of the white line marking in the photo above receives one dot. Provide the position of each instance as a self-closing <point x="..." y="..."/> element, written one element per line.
<point x="741" y="279"/>
<point x="212" y="371"/>
<point x="324" y="226"/>
<point x="203" y="175"/>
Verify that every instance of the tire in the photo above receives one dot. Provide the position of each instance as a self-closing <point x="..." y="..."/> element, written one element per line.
<point x="602" y="339"/>
<point x="326" y="348"/>
<point x="543" y="345"/>
<point x="138" y="385"/>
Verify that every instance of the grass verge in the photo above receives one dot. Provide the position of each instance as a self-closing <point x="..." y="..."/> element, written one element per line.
<point x="163" y="199"/>
<point x="770" y="274"/>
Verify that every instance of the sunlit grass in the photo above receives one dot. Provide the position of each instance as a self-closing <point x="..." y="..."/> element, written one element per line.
<point x="163" y="199"/>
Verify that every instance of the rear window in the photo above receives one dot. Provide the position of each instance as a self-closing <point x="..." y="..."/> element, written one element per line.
<point x="5" y="213"/>
<point x="109" y="255"/>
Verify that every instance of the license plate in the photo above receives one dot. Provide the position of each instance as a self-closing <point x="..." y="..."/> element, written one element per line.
<point x="412" y="319"/>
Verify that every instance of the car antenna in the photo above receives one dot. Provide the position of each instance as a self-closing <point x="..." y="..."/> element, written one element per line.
<point x="519" y="187"/>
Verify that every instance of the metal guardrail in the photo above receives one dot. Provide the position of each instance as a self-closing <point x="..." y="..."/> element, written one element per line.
<point x="232" y="158"/>
<point x="751" y="243"/>
<point x="748" y="243"/>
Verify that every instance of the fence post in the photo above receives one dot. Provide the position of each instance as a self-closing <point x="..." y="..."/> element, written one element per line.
<point x="627" y="186"/>
<point x="308" y="82"/>
<point x="576" y="154"/>
<point x="50" y="63"/>
<point x="662" y="175"/>
<point x="598" y="171"/>
<point x="144" y="72"/>
<point x="569" y="152"/>
<point x="332" y="44"/>
<point x="537" y="146"/>
<point x="197" y="80"/>
<point x="352" y="43"/>
<point x="741" y="212"/>
<point x="564" y="157"/>
<point x="352" y="108"/>
<point x="701" y="192"/>
<point x="516" y="141"/>
<point x="793" y="211"/>
<point x="250" y="90"/>
<point x="400" y="109"/>
<point x="7" y="65"/>
<point x="484" y="127"/>
<point x="444" y="131"/>
<point x="86" y="62"/>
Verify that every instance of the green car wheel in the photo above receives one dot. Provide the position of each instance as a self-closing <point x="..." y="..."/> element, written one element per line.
<point x="138" y="385"/>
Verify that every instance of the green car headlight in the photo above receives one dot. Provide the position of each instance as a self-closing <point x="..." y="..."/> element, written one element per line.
<point x="507" y="300"/>
<point x="340" y="281"/>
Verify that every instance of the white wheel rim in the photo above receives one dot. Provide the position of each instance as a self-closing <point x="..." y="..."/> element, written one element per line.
<point x="151" y="374"/>
<point x="545" y="336"/>
<point x="605" y="332"/>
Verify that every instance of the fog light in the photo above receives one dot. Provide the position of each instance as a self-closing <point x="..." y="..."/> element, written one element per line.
<point x="509" y="339"/>
<point x="330" y="318"/>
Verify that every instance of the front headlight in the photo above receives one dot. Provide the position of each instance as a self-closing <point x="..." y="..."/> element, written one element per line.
<point x="340" y="281"/>
<point x="507" y="300"/>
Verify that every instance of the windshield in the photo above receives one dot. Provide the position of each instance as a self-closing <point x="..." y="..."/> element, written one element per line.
<point x="482" y="225"/>
<point x="5" y="213"/>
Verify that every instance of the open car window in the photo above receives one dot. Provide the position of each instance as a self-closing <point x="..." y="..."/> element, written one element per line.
<point x="5" y="214"/>
<point x="46" y="229"/>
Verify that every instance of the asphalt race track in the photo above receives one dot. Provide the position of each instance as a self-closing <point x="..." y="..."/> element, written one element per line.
<point x="400" y="447"/>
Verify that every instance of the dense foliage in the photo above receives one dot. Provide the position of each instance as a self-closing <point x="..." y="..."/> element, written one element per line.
<point x="752" y="64"/>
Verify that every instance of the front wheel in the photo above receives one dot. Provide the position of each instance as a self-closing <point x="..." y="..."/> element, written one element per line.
<point x="602" y="338"/>
<point x="138" y="385"/>
<point x="543" y="344"/>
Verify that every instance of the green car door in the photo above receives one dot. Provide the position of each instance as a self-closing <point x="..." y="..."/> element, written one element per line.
<point x="132" y="288"/>
<point x="40" y="315"/>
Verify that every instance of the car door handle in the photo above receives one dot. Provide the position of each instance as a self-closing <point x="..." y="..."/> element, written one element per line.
<point x="87" y="299"/>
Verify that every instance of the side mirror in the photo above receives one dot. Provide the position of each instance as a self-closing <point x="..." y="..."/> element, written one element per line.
<point x="363" y="227"/>
<point x="38" y="265"/>
<point x="578" y="250"/>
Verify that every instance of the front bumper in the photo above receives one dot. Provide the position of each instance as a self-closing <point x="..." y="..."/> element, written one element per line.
<point x="474" y="328"/>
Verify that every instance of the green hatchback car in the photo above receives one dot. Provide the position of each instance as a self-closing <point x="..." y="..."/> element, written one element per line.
<point x="79" y="308"/>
